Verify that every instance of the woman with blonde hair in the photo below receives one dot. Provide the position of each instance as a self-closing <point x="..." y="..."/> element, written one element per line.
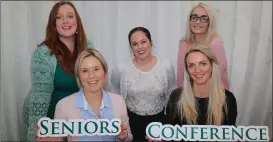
<point x="92" y="101"/>
<point x="201" y="29"/>
<point x="202" y="100"/>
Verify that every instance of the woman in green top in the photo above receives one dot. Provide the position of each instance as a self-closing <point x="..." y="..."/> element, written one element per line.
<point x="52" y="65"/>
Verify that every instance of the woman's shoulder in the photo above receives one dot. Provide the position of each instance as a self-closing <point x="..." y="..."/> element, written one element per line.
<point x="183" y="43"/>
<point x="42" y="49"/>
<point x="175" y="95"/>
<point x="115" y="97"/>
<point x="216" y="41"/>
<point x="42" y="57"/>
<point x="230" y="97"/>
<point x="90" y="44"/>
<point x="68" y="101"/>
<point x="164" y="61"/>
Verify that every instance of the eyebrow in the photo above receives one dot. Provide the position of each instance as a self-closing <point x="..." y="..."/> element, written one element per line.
<point x="200" y="16"/>
<point x="97" y="66"/>
<point x="67" y="13"/>
<point x="133" y="42"/>
<point x="203" y="61"/>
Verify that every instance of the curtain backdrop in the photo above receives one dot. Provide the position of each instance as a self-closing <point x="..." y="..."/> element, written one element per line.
<point x="246" y="28"/>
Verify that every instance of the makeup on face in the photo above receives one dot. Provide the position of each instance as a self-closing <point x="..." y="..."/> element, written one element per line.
<point x="199" y="21"/>
<point x="199" y="67"/>
<point x="141" y="45"/>
<point x="92" y="74"/>
<point x="66" y="21"/>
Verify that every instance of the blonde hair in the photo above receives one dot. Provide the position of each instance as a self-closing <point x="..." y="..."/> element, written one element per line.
<point x="87" y="53"/>
<point x="217" y="100"/>
<point x="211" y="32"/>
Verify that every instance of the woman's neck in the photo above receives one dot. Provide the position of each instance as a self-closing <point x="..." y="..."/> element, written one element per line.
<point x="69" y="42"/>
<point x="201" y="91"/>
<point x="93" y="99"/>
<point x="199" y="38"/>
<point x="144" y="62"/>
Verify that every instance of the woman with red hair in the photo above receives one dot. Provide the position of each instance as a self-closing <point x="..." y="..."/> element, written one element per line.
<point x="52" y="64"/>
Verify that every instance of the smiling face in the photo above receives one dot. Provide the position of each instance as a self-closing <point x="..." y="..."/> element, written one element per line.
<point x="199" y="21"/>
<point x="141" y="45"/>
<point x="91" y="74"/>
<point x="199" y="67"/>
<point x="66" y="21"/>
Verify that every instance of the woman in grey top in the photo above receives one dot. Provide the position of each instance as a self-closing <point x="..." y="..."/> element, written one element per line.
<point x="145" y="82"/>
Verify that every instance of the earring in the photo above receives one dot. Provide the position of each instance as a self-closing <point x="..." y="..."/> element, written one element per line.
<point x="76" y="32"/>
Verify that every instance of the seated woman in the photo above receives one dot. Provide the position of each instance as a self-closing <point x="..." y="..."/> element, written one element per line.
<point x="202" y="100"/>
<point x="92" y="101"/>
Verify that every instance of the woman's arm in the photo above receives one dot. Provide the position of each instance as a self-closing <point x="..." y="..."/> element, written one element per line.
<point x="217" y="48"/>
<point x="126" y="118"/>
<point x="115" y="80"/>
<point x="183" y="46"/>
<point x="232" y="109"/>
<point x="171" y="78"/>
<point x="42" y="75"/>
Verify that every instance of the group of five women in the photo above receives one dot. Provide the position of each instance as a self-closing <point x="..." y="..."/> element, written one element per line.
<point x="68" y="77"/>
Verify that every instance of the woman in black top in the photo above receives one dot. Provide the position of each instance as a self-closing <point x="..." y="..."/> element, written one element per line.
<point x="202" y="100"/>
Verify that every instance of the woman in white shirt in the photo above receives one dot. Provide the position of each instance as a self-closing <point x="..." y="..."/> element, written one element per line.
<point x="145" y="82"/>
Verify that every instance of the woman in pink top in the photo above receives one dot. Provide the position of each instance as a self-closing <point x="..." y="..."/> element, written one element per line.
<point x="92" y="101"/>
<point x="202" y="29"/>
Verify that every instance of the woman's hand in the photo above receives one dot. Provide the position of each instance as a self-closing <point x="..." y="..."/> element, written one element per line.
<point x="44" y="139"/>
<point x="123" y="133"/>
<point x="150" y="140"/>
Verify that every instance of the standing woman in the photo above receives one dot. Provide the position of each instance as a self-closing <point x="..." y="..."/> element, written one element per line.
<point x="52" y="65"/>
<point x="145" y="82"/>
<point x="202" y="29"/>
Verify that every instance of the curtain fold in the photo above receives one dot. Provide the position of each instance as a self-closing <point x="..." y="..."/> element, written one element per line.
<point x="245" y="26"/>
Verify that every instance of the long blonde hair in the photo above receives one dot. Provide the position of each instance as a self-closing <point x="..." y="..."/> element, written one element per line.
<point x="217" y="100"/>
<point x="211" y="32"/>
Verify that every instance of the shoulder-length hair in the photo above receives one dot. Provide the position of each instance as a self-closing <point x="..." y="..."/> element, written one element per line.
<point x="87" y="53"/>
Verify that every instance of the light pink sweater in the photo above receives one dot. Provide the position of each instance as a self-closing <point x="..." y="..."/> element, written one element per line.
<point x="217" y="48"/>
<point x="66" y="109"/>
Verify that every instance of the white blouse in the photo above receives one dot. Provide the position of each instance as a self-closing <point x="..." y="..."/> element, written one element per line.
<point x="145" y="93"/>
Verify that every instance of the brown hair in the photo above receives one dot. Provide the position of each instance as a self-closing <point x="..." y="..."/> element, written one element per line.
<point x="64" y="57"/>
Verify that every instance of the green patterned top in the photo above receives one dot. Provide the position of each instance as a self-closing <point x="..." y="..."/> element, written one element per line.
<point x="37" y="102"/>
